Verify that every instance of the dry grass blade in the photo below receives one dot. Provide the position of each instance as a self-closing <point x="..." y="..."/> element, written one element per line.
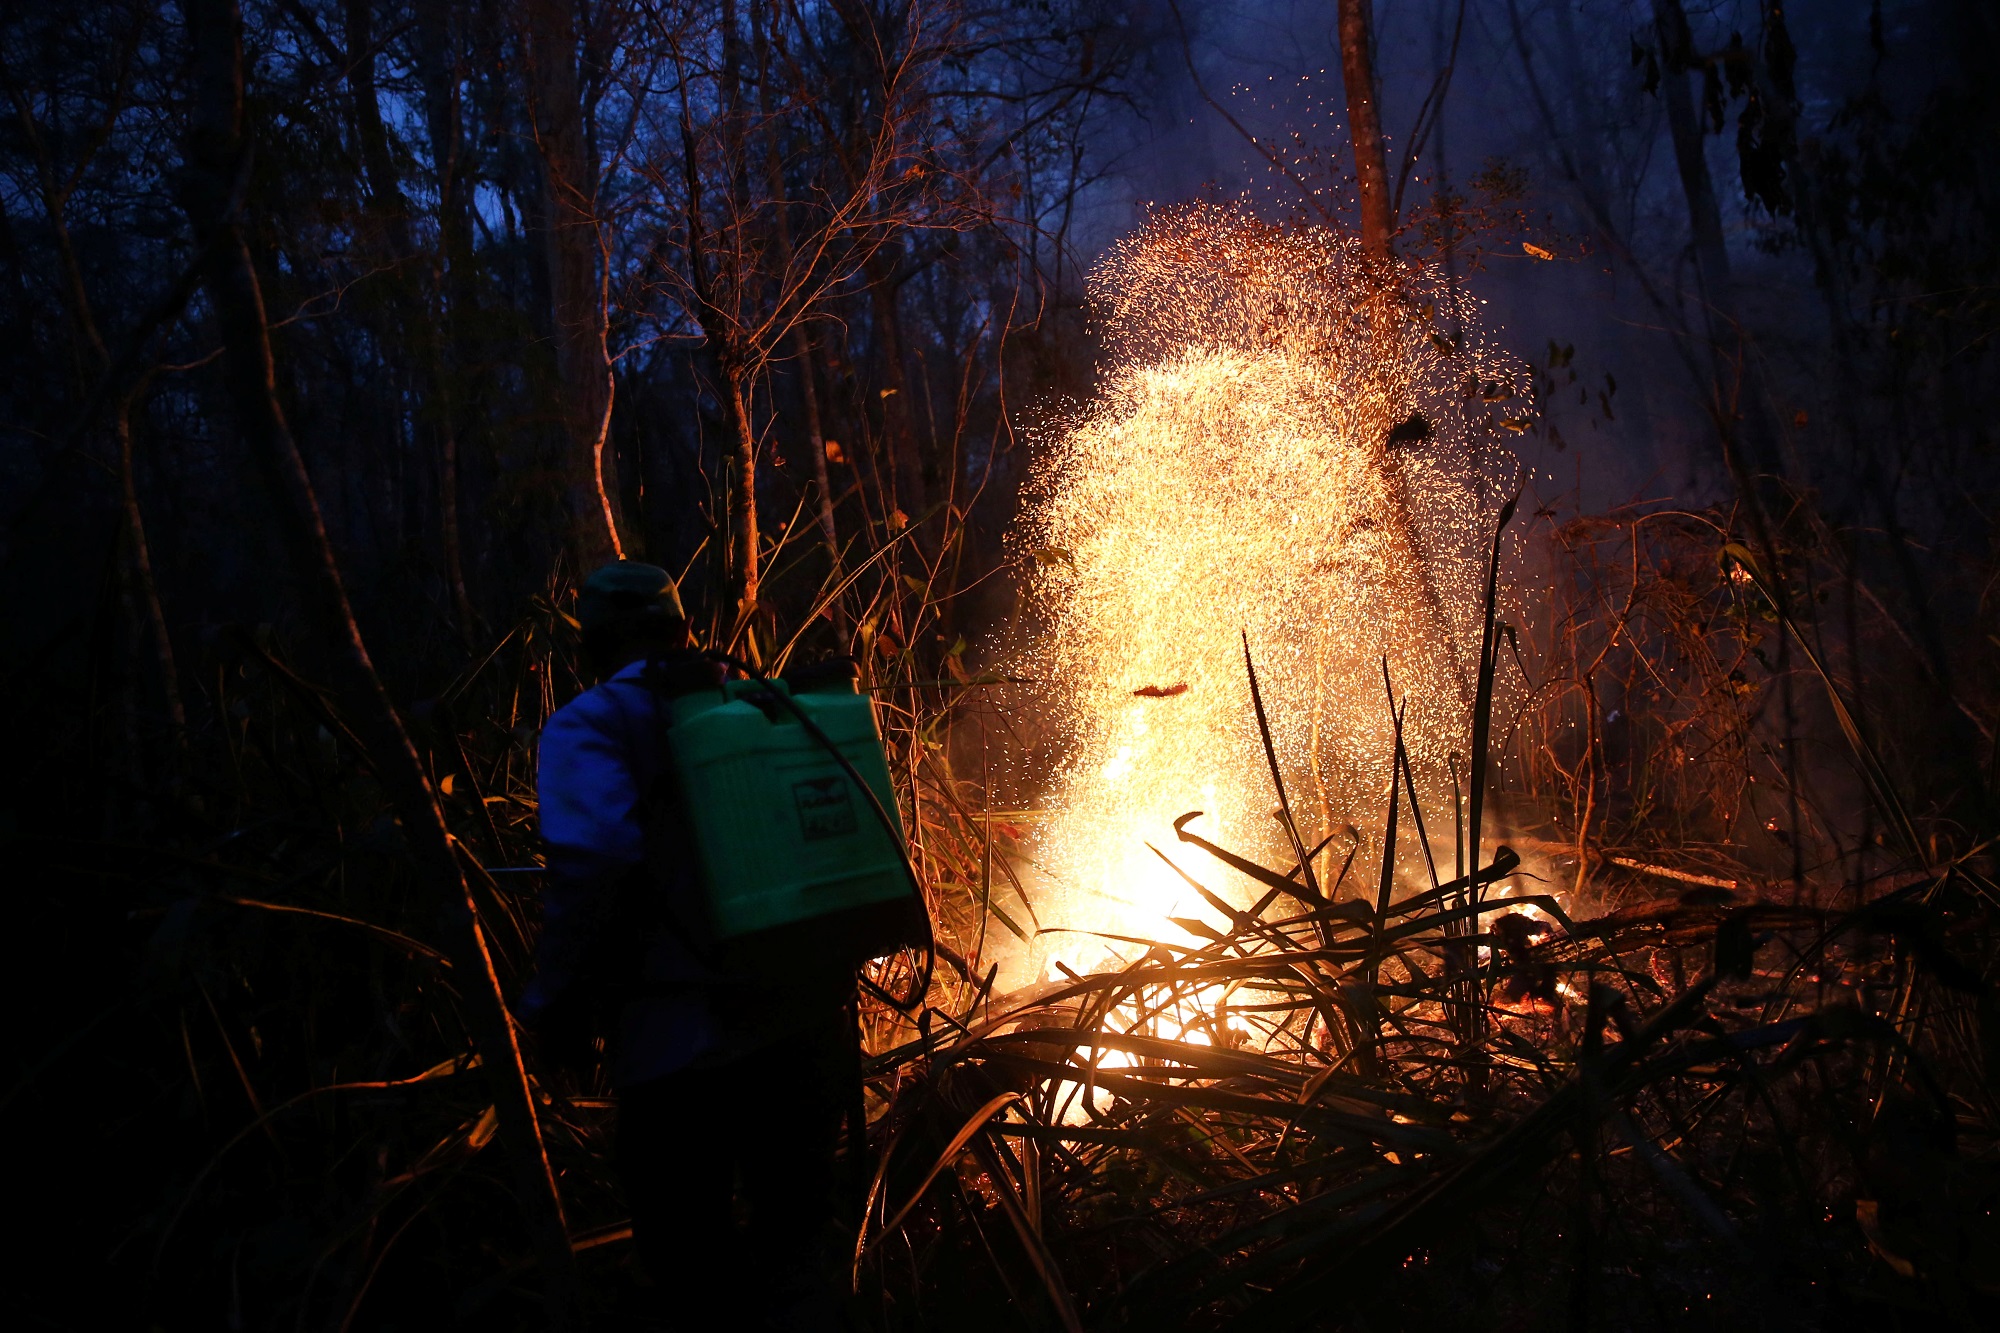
<point x="972" y="1126"/>
<point x="1277" y="775"/>
<point x="393" y="937"/>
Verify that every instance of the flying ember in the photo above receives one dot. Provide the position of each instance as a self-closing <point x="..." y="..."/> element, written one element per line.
<point x="1283" y="450"/>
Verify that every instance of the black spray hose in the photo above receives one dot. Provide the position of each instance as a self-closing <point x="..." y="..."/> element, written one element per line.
<point x="911" y="1002"/>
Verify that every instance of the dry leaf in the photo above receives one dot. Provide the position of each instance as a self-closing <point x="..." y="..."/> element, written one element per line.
<point x="1537" y="251"/>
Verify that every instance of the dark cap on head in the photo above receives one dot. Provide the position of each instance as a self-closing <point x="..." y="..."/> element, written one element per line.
<point x="628" y="593"/>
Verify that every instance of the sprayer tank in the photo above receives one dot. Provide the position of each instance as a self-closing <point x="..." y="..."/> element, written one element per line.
<point x="785" y="842"/>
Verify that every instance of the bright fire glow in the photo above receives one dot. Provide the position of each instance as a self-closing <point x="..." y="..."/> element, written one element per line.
<point x="1193" y="1019"/>
<point x="1234" y="475"/>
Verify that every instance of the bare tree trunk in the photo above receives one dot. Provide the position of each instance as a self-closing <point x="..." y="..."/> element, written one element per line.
<point x="142" y="571"/>
<point x="576" y="289"/>
<point x="801" y="341"/>
<point x="454" y="540"/>
<point x="1378" y="225"/>
<point x="1711" y="254"/>
<point x="743" y="492"/>
<point x="1364" y="124"/>
<point x="906" y="468"/>
<point x="742" y="288"/>
<point x="385" y="196"/>
<point x="1736" y="405"/>
<point x="1736" y="388"/>
<point x="816" y="440"/>
<point x="214" y="153"/>
<point x="97" y="375"/>
<point x="721" y="336"/>
<point x="451" y="287"/>
<point x="416" y="314"/>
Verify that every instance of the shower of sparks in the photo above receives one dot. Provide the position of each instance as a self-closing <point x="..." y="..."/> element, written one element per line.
<point x="1235" y="475"/>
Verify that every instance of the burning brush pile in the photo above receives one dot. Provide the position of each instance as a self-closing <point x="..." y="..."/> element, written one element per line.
<point x="1264" y="1069"/>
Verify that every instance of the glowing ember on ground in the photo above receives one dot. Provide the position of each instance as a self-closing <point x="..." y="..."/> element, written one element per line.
<point x="1236" y="474"/>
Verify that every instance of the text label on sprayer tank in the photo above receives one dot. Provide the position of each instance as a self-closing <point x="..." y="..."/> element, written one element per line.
<point x="825" y="806"/>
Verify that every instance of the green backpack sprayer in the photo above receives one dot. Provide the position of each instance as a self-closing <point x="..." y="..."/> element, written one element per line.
<point x="780" y="789"/>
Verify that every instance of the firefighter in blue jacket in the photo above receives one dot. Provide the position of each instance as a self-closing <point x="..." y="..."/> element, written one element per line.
<point x="730" y="1085"/>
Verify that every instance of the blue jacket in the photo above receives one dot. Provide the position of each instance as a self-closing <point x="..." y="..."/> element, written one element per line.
<point x="601" y="753"/>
